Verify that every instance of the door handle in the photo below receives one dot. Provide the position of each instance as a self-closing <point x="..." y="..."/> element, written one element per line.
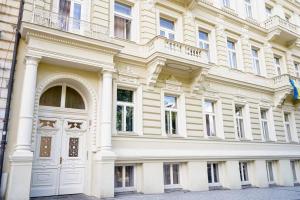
<point x="60" y="160"/>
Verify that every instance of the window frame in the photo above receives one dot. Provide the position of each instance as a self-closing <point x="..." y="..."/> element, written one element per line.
<point x="237" y="122"/>
<point x="270" y="168"/>
<point x="214" y="183"/>
<point x="202" y="43"/>
<point x="297" y="69"/>
<point x="166" y="30"/>
<point x="124" y="17"/>
<point x="172" y="185"/>
<point x="256" y="65"/>
<point x="231" y="53"/>
<point x="262" y="125"/>
<point x="124" y="110"/>
<point x="226" y="3"/>
<point x="171" y="111"/>
<point x="244" y="165"/>
<point x="248" y="9"/>
<point x="294" y="170"/>
<point x="211" y="116"/>
<point x="289" y="135"/>
<point x="124" y="188"/>
<point x="278" y="66"/>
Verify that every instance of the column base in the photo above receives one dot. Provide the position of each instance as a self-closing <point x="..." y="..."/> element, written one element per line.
<point x="19" y="181"/>
<point x="103" y="174"/>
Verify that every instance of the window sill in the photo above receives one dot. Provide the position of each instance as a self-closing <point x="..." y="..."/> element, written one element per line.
<point x="244" y="140"/>
<point x="215" y="187"/>
<point x="124" y="40"/>
<point x="174" y="136"/>
<point x="214" y="138"/>
<point x="125" y="134"/>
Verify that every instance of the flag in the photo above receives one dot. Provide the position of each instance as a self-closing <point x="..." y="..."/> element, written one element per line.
<point x="296" y="91"/>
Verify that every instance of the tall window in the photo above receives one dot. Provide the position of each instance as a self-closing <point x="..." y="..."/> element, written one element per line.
<point x="125" y="110"/>
<point x="231" y="54"/>
<point x="210" y="117"/>
<point x="287" y="124"/>
<point x="248" y="8"/>
<point x="270" y="173"/>
<point x="124" y="178"/>
<point x="297" y="69"/>
<point x="123" y="19"/>
<point x="268" y="10"/>
<point x="239" y="118"/>
<point x="226" y="3"/>
<point x="68" y="17"/>
<point x="171" y="112"/>
<point x="204" y="41"/>
<point x="277" y="65"/>
<point x="264" y="124"/>
<point x="293" y="167"/>
<point x="167" y="28"/>
<point x="255" y="61"/>
<point x="171" y="175"/>
<point x="243" y="166"/>
<point x="213" y="174"/>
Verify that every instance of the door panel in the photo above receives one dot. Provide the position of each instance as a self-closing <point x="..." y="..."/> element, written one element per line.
<point x="59" y="161"/>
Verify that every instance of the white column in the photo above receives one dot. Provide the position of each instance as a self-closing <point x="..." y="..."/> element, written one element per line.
<point x="27" y="106"/>
<point x="106" y="111"/>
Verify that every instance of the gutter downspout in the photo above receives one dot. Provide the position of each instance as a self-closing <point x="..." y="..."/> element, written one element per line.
<point x="9" y="90"/>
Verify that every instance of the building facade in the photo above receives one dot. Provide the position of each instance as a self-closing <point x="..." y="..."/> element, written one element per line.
<point x="154" y="95"/>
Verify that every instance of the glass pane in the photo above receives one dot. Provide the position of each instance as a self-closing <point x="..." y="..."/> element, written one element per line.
<point x="119" y="27"/>
<point x="118" y="176"/>
<point x="216" y="173"/>
<point x="125" y="95"/>
<point x="171" y="36"/>
<point x="73" y="99"/>
<point x="51" y="97"/>
<point x="239" y="111"/>
<point x="170" y="102"/>
<point x="286" y="117"/>
<point x="207" y="125"/>
<point x="263" y="114"/>
<point x="241" y="172"/>
<point x="208" y="106"/>
<point x="203" y="35"/>
<point x="230" y="45"/>
<point x="162" y="33"/>
<point x="129" y="176"/>
<point x="45" y="146"/>
<point x="168" y="24"/>
<point x="209" y="173"/>
<point x="167" y="121"/>
<point x="73" y="147"/>
<point x="294" y="170"/>
<point x="76" y="16"/>
<point x="174" y="122"/>
<point x="175" y="174"/>
<point x="245" y="172"/>
<point x="119" y="118"/>
<point x="128" y="29"/>
<point x="271" y="176"/>
<point x="122" y="8"/>
<point x="167" y="174"/>
<point x="129" y="118"/>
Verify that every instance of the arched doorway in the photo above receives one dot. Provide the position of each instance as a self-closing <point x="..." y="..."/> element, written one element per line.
<point x="60" y="142"/>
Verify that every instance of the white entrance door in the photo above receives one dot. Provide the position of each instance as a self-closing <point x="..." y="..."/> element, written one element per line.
<point x="59" y="160"/>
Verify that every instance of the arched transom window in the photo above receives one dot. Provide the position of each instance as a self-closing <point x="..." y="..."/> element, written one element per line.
<point x="62" y="96"/>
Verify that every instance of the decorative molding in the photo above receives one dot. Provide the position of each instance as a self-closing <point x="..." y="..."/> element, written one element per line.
<point x="198" y="81"/>
<point x="128" y="76"/>
<point x="172" y="84"/>
<point x="154" y="69"/>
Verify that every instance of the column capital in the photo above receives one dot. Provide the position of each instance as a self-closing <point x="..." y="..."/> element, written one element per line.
<point x="32" y="60"/>
<point x="108" y="70"/>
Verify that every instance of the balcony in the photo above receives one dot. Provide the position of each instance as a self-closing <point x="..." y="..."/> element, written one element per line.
<point x="281" y="31"/>
<point x="283" y="87"/>
<point x="66" y="24"/>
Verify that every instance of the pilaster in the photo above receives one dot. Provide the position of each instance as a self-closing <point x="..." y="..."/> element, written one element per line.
<point x="246" y="50"/>
<point x="153" y="181"/>
<point x="285" y="175"/>
<point x="221" y="43"/>
<point x="269" y="60"/>
<point x="260" y="177"/>
<point x="197" y="181"/>
<point x="189" y="29"/>
<point x="232" y="174"/>
<point x="290" y="63"/>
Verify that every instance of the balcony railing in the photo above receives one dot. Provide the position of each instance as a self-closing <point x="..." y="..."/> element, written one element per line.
<point x="284" y="80"/>
<point x="174" y="48"/>
<point x="67" y="24"/>
<point x="276" y="21"/>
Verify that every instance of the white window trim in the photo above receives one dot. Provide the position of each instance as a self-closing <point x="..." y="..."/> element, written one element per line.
<point x="273" y="170"/>
<point x="124" y="188"/>
<point x="236" y="118"/>
<point x="181" y="113"/>
<point x="247" y="5"/>
<point x="278" y="66"/>
<point x="214" y="184"/>
<point x="241" y="171"/>
<point x="219" y="117"/>
<point x="207" y="42"/>
<point x="138" y="108"/>
<point x="292" y="123"/>
<point x="172" y="185"/>
<point x="254" y="61"/>
<point x="246" y="120"/>
<point x="297" y="72"/>
<point x="232" y="52"/>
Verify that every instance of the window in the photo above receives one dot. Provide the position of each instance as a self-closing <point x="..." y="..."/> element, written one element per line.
<point x="255" y="61"/>
<point x="248" y="8"/>
<point x="122" y="21"/>
<point x="231" y="54"/>
<point x="277" y="65"/>
<point x="125" y="110"/>
<point x="226" y="3"/>
<point x="293" y="167"/>
<point x="287" y="125"/>
<point x="264" y="124"/>
<point x="124" y="178"/>
<point x="67" y="17"/>
<point x="210" y="117"/>
<point x="204" y="41"/>
<point x="171" y="175"/>
<point x="62" y="96"/>
<point x="270" y="173"/>
<point x="297" y="69"/>
<point x="239" y="118"/>
<point x="171" y="112"/>
<point x="167" y="28"/>
<point x="213" y="174"/>
<point x="243" y="166"/>
<point x="268" y="11"/>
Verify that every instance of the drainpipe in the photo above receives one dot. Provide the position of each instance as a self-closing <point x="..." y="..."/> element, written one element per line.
<point x="9" y="90"/>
